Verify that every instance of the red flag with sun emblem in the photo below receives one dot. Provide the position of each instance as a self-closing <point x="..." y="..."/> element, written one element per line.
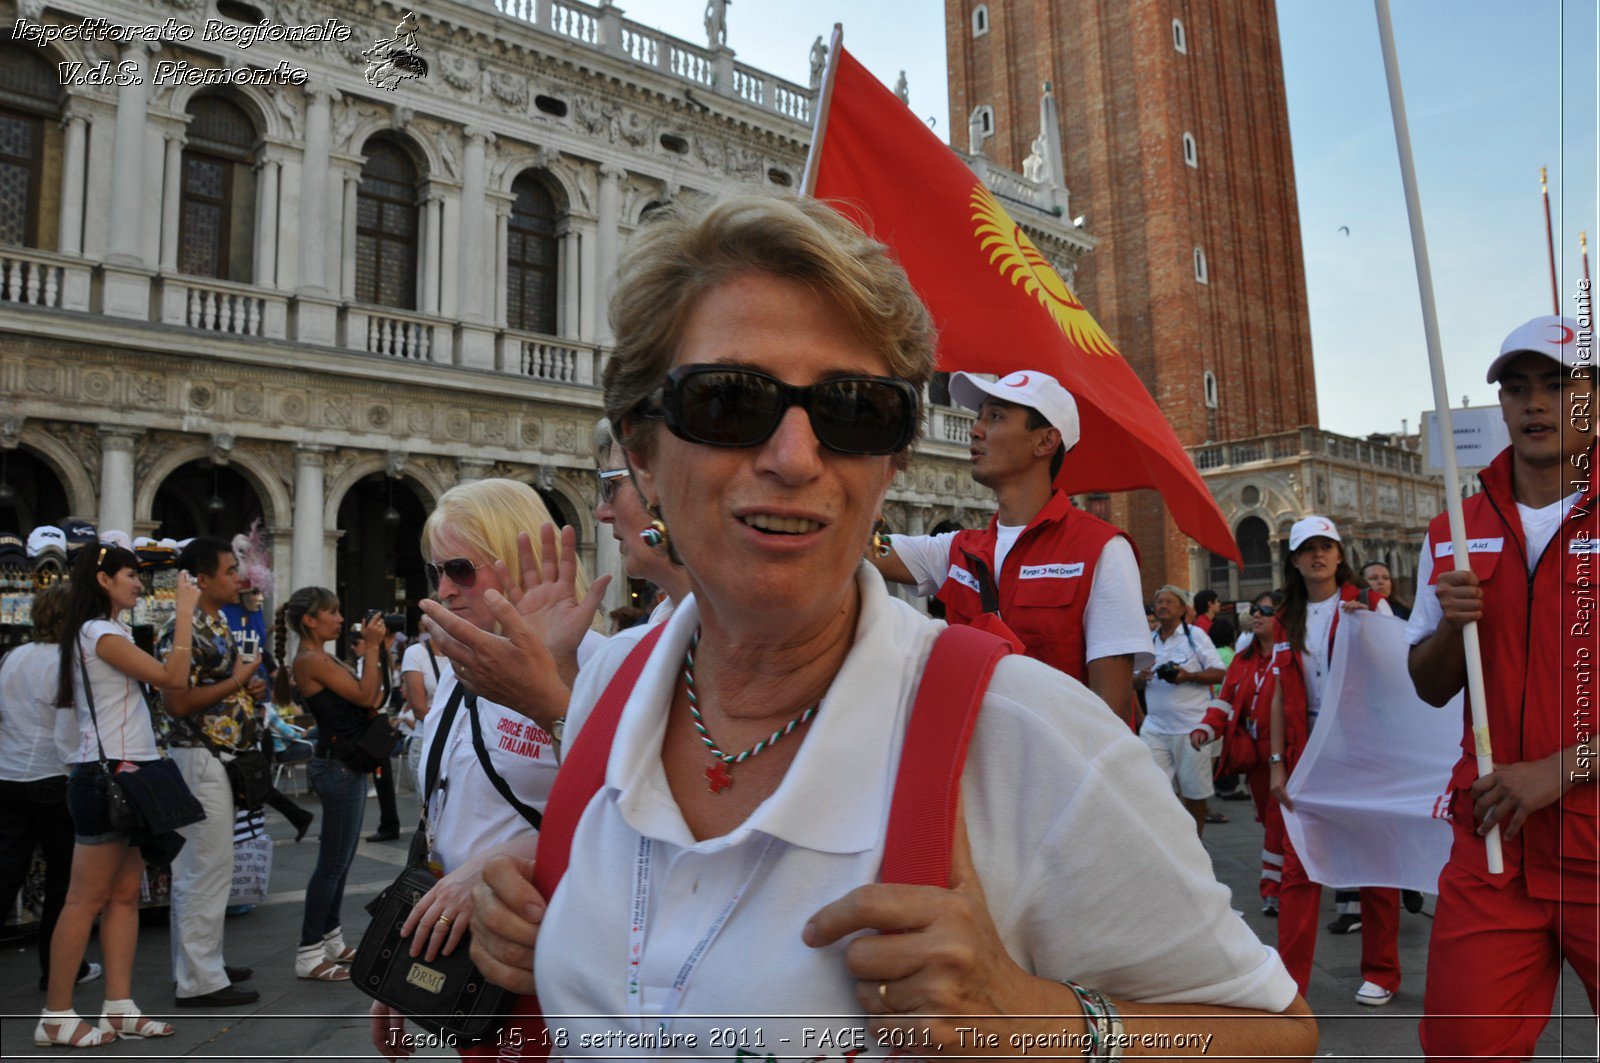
<point x="998" y="304"/>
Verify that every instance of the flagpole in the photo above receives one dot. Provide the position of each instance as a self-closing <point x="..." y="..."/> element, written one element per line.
<point x="1550" y="243"/>
<point x="1441" y="401"/>
<point x="819" y="127"/>
<point x="1583" y="245"/>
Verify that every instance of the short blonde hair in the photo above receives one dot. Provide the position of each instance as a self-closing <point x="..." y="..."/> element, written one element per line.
<point x="486" y="515"/>
<point x="694" y="245"/>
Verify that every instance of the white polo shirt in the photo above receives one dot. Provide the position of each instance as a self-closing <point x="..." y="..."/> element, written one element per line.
<point x="1091" y="868"/>
<point x="471" y="814"/>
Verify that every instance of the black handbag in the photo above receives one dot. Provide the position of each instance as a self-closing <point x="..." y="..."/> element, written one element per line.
<point x="144" y="799"/>
<point x="447" y="995"/>
<point x="249" y="772"/>
<point x="367" y="751"/>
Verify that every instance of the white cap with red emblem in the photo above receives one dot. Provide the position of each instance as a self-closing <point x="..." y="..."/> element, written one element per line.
<point x="1549" y="335"/>
<point x="1026" y="387"/>
<point x="1311" y="528"/>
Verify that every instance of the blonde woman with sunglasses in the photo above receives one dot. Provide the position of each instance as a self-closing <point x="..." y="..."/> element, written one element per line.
<point x="479" y="543"/>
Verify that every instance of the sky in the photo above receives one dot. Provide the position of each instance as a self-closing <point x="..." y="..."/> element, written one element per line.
<point x="1494" y="89"/>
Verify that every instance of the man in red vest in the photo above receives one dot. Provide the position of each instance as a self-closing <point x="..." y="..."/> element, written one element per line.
<point x="1533" y="546"/>
<point x="1064" y="583"/>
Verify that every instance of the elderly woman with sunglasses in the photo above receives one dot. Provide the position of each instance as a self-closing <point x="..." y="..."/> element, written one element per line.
<point x="769" y="358"/>
<point x="621" y="506"/>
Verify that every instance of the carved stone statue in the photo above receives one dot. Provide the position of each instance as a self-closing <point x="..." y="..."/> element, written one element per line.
<point x="717" y="22"/>
<point x="902" y="90"/>
<point x="819" y="60"/>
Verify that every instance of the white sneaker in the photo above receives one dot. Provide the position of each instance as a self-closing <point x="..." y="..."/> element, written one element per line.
<point x="1373" y="996"/>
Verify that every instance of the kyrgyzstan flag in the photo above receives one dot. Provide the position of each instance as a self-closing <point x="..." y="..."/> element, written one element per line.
<point x="996" y="301"/>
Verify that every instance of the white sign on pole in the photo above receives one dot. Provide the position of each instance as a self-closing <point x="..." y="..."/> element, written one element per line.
<point x="1480" y="433"/>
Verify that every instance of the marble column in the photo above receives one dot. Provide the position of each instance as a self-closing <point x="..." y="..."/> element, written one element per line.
<point x="607" y="240"/>
<point x="307" y="568"/>
<point x="171" y="202"/>
<point x="449" y="255"/>
<point x="314" y="191"/>
<point x="127" y="157"/>
<point x="474" y="307"/>
<point x="266" y="264"/>
<point x="567" y="286"/>
<point x="502" y="246"/>
<point x="72" y="173"/>
<point x="589" y="310"/>
<point x="429" y="274"/>
<point x="116" y="478"/>
<point x="347" y="277"/>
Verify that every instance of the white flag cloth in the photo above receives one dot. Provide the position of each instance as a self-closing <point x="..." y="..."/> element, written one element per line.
<point x="1369" y="791"/>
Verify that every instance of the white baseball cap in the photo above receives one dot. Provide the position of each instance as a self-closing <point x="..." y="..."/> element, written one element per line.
<point x="47" y="539"/>
<point x="1026" y="387"/>
<point x="1312" y="528"/>
<point x="1549" y="335"/>
<point x="117" y="538"/>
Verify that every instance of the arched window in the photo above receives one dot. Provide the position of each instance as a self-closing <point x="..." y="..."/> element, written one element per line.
<point x="1210" y="380"/>
<point x="386" y="227"/>
<point x="1191" y="153"/>
<point x="1180" y="39"/>
<point x="531" y="258"/>
<point x="30" y="93"/>
<point x="1255" y="547"/>
<point x="216" y="213"/>
<point x="1200" y="267"/>
<point x="980" y="20"/>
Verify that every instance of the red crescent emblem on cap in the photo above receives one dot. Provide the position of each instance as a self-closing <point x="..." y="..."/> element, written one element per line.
<point x="1019" y="384"/>
<point x="1563" y="334"/>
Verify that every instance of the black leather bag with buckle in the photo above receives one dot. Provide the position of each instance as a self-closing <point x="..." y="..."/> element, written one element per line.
<point x="447" y="995"/>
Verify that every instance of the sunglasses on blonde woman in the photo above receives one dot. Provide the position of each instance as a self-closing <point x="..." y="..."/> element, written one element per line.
<point x="462" y="573"/>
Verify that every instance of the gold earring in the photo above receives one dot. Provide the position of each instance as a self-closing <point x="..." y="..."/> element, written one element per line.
<point x="880" y="538"/>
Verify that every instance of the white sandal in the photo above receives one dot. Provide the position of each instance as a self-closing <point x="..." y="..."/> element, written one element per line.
<point x="129" y="1023"/>
<point x="311" y="962"/>
<point x="335" y="949"/>
<point x="70" y="1031"/>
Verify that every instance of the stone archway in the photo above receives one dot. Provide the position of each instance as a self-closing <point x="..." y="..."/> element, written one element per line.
<point x="275" y="506"/>
<point x="31" y="493"/>
<point x="379" y="556"/>
<point x="202" y="498"/>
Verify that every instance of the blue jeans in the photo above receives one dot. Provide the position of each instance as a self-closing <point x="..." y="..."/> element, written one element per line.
<point x="344" y="801"/>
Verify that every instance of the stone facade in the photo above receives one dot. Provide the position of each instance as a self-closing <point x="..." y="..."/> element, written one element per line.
<point x="1175" y="131"/>
<point x="120" y="372"/>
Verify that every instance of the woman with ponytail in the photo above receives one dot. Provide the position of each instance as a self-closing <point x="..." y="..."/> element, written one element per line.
<point x="342" y="705"/>
<point x="97" y="647"/>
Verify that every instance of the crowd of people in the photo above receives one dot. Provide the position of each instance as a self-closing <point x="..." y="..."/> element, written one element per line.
<point x="729" y="779"/>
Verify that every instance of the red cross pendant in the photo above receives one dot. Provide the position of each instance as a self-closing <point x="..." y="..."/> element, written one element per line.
<point x="718" y="778"/>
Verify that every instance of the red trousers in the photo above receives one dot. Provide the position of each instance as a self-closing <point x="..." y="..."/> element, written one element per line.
<point x="1299" y="909"/>
<point x="1494" y="965"/>
<point x="1270" y="816"/>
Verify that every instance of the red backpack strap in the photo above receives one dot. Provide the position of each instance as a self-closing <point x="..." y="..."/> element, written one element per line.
<point x="583" y="769"/>
<point x="927" y="788"/>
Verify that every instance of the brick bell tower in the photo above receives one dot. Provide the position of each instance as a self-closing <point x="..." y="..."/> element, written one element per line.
<point x="1175" y="130"/>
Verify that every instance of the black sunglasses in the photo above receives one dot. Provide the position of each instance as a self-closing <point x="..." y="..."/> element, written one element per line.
<point x="723" y="406"/>
<point x="1262" y="610"/>
<point x="462" y="573"/>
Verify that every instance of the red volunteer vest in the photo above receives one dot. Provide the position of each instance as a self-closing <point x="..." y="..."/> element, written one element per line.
<point x="1292" y="678"/>
<point x="1539" y="678"/>
<point x="1045" y="586"/>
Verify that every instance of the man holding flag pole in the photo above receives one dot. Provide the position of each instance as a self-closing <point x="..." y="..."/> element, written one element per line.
<point x="1509" y="915"/>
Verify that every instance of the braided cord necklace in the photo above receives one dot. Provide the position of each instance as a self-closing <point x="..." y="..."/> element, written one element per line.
<point x="717" y="776"/>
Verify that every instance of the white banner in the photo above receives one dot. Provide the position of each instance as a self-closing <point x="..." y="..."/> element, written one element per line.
<point x="1368" y="791"/>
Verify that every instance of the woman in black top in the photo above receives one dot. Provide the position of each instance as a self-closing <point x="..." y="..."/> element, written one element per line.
<point x="342" y="705"/>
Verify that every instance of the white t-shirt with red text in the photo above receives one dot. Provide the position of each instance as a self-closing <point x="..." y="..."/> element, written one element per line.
<point x="469" y="815"/>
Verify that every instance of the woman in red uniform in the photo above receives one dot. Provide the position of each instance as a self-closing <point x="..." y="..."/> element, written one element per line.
<point x="1318" y="586"/>
<point x="1247" y="693"/>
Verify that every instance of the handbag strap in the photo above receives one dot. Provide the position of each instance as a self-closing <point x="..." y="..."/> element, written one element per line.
<point x="583" y="769"/>
<point x="927" y="787"/>
<point x="527" y="812"/>
<point x="428" y="645"/>
<point x="88" y="695"/>
<point x="430" y="775"/>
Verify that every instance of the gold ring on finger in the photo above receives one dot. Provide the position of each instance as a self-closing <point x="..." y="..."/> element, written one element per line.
<point x="883" y="995"/>
<point x="446" y="920"/>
